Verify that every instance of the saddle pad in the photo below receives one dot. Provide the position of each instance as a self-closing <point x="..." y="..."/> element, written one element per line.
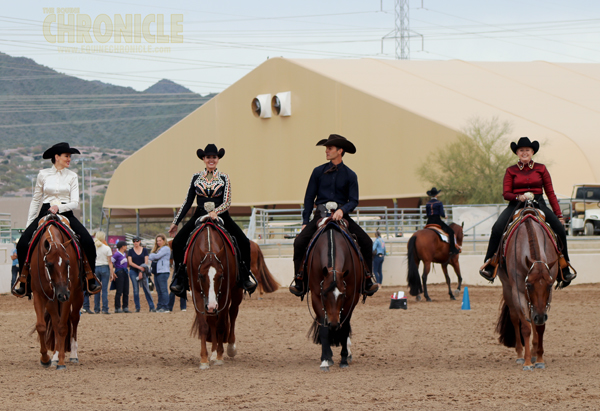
<point x="197" y="231"/>
<point x="443" y="235"/>
<point x="58" y="222"/>
<point x="513" y="227"/>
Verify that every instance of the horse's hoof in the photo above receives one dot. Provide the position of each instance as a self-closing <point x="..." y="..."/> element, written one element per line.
<point x="528" y="368"/>
<point x="533" y="359"/>
<point x="349" y="359"/>
<point x="45" y="364"/>
<point x="342" y="365"/>
<point x="418" y="297"/>
<point x="428" y="299"/>
<point x="325" y="369"/>
<point x="204" y="366"/>
<point x="330" y="362"/>
<point x="456" y="293"/>
<point x="520" y="361"/>
<point x="540" y="365"/>
<point x="61" y="367"/>
<point x="74" y="361"/>
<point x="231" y="350"/>
<point x="452" y="297"/>
<point x="219" y="362"/>
<point x="54" y="363"/>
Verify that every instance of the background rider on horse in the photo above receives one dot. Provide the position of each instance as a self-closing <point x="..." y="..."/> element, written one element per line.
<point x="435" y="212"/>
<point x="331" y="182"/>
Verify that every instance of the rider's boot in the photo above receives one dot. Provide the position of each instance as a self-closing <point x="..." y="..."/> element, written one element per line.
<point x="21" y="290"/>
<point x="297" y="288"/>
<point x="488" y="269"/>
<point x="93" y="284"/>
<point x="246" y="283"/>
<point x="179" y="285"/>
<point x="371" y="286"/>
<point x="567" y="275"/>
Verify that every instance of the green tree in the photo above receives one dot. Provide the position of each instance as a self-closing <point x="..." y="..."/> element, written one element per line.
<point x="470" y="170"/>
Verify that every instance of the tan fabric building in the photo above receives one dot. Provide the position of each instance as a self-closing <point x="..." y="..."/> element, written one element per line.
<point x="396" y="112"/>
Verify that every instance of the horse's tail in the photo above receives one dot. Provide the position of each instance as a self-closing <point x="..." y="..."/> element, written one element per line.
<point x="199" y="327"/>
<point x="335" y="336"/>
<point x="412" y="278"/>
<point x="269" y="284"/>
<point x="506" y="329"/>
<point x="49" y="337"/>
<point x="313" y="333"/>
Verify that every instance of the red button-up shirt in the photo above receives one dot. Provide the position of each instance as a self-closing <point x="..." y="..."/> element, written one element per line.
<point x="536" y="180"/>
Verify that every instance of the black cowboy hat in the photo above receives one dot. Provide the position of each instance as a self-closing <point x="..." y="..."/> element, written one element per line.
<point x="210" y="150"/>
<point x="525" y="142"/>
<point x="59" y="148"/>
<point x="433" y="192"/>
<point x="339" y="142"/>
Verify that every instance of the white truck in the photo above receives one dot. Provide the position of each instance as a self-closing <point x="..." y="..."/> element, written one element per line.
<point x="585" y="209"/>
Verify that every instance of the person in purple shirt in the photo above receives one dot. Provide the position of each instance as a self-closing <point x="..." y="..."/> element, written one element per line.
<point x="119" y="260"/>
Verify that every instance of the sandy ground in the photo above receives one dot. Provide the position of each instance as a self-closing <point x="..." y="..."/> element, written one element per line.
<point x="432" y="356"/>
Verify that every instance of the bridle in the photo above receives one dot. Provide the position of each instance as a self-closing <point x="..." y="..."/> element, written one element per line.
<point x="212" y="255"/>
<point x="51" y="242"/>
<point x="529" y="305"/>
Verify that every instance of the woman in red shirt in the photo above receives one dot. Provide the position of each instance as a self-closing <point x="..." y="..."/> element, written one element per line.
<point x="527" y="176"/>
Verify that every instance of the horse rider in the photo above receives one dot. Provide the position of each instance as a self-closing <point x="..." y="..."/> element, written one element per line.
<point x="332" y="182"/>
<point x="435" y="212"/>
<point x="523" y="177"/>
<point x="57" y="192"/>
<point x="208" y="186"/>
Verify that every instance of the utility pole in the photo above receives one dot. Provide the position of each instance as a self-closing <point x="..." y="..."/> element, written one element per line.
<point x="402" y="30"/>
<point x="91" y="197"/>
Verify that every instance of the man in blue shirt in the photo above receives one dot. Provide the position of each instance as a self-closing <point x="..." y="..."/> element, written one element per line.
<point x="332" y="181"/>
<point x="435" y="212"/>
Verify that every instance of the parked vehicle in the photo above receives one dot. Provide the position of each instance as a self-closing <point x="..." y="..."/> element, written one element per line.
<point x="585" y="209"/>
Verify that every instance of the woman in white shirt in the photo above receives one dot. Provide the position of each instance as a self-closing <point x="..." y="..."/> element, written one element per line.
<point x="104" y="270"/>
<point x="56" y="191"/>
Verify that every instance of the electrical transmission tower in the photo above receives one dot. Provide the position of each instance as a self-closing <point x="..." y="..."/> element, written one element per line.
<point x="402" y="34"/>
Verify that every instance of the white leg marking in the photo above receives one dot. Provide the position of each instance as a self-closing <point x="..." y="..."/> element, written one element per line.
<point x="213" y="356"/>
<point x="348" y="346"/>
<point x="55" y="356"/>
<point x="73" y="348"/>
<point x="212" y="297"/>
<point x="325" y="364"/>
<point x="336" y="293"/>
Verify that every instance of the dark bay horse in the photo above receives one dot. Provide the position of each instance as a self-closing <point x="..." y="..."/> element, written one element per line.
<point x="425" y="245"/>
<point x="57" y="292"/>
<point x="528" y="273"/>
<point x="335" y="277"/>
<point x="266" y="281"/>
<point x="212" y="271"/>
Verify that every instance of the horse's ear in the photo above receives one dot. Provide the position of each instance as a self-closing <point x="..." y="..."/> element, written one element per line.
<point x="346" y="273"/>
<point x="325" y="272"/>
<point x="528" y="261"/>
<point x="47" y="246"/>
<point x="67" y="242"/>
<point x="462" y="225"/>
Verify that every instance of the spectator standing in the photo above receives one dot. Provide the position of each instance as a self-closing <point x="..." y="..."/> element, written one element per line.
<point x="119" y="260"/>
<point x="182" y="300"/>
<point x="15" y="266"/>
<point x="137" y="256"/>
<point x="161" y="253"/>
<point x="104" y="271"/>
<point x="378" y="257"/>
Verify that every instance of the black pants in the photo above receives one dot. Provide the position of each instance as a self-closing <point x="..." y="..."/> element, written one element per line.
<point x="122" y="285"/>
<point x="303" y="239"/>
<point x="181" y="238"/>
<point x="506" y="215"/>
<point x="436" y="219"/>
<point x="85" y="239"/>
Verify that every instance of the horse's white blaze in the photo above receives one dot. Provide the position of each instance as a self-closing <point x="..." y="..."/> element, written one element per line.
<point x="55" y="356"/>
<point x="59" y="261"/>
<point x="73" y="348"/>
<point x="212" y="297"/>
<point x="325" y="364"/>
<point x="336" y="293"/>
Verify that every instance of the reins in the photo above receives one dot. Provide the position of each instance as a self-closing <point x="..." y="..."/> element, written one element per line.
<point x="46" y="271"/>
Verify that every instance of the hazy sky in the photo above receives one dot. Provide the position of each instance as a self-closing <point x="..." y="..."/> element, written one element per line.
<point x="224" y="40"/>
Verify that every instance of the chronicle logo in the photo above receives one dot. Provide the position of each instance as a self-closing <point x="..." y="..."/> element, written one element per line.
<point x="69" y="25"/>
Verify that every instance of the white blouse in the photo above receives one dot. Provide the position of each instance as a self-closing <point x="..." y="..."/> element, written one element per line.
<point x="54" y="187"/>
<point x="103" y="254"/>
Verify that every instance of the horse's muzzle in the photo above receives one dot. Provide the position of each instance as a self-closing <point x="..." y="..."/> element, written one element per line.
<point x="540" y="319"/>
<point x="63" y="295"/>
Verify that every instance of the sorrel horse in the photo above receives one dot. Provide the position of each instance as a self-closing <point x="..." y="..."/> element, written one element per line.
<point x="425" y="245"/>
<point x="57" y="292"/>
<point x="527" y="274"/>
<point x="212" y="272"/>
<point x="266" y="282"/>
<point x="335" y="277"/>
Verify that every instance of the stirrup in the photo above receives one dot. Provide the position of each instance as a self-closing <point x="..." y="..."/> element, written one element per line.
<point x="21" y="291"/>
<point x="369" y="290"/>
<point x="297" y="287"/>
<point x="490" y="276"/>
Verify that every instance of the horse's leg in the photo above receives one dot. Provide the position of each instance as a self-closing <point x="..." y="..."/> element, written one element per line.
<point x="214" y="339"/>
<point x="222" y="326"/>
<point x="75" y="316"/>
<point x="40" y="326"/>
<point x="539" y="361"/>
<point x="426" y="269"/>
<point x="60" y="331"/>
<point x="456" y="266"/>
<point x="345" y="331"/>
<point x="204" y="362"/>
<point x="514" y="318"/>
<point x="233" y="313"/>
<point x="445" y="270"/>
<point x="534" y="343"/>
<point x="526" y="332"/>
<point x="326" y="353"/>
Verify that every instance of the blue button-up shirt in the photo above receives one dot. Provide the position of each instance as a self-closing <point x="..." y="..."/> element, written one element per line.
<point x="340" y="186"/>
<point x="435" y="207"/>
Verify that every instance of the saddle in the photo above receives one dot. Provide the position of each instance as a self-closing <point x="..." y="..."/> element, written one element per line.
<point x="442" y="234"/>
<point x="230" y="240"/>
<point x="61" y="223"/>
<point x="519" y="217"/>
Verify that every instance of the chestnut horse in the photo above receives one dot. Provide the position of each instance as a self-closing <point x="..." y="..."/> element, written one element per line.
<point x="335" y="277"/>
<point x="527" y="275"/>
<point x="266" y="282"/>
<point x="57" y="292"/>
<point x="425" y="245"/>
<point x="212" y="272"/>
